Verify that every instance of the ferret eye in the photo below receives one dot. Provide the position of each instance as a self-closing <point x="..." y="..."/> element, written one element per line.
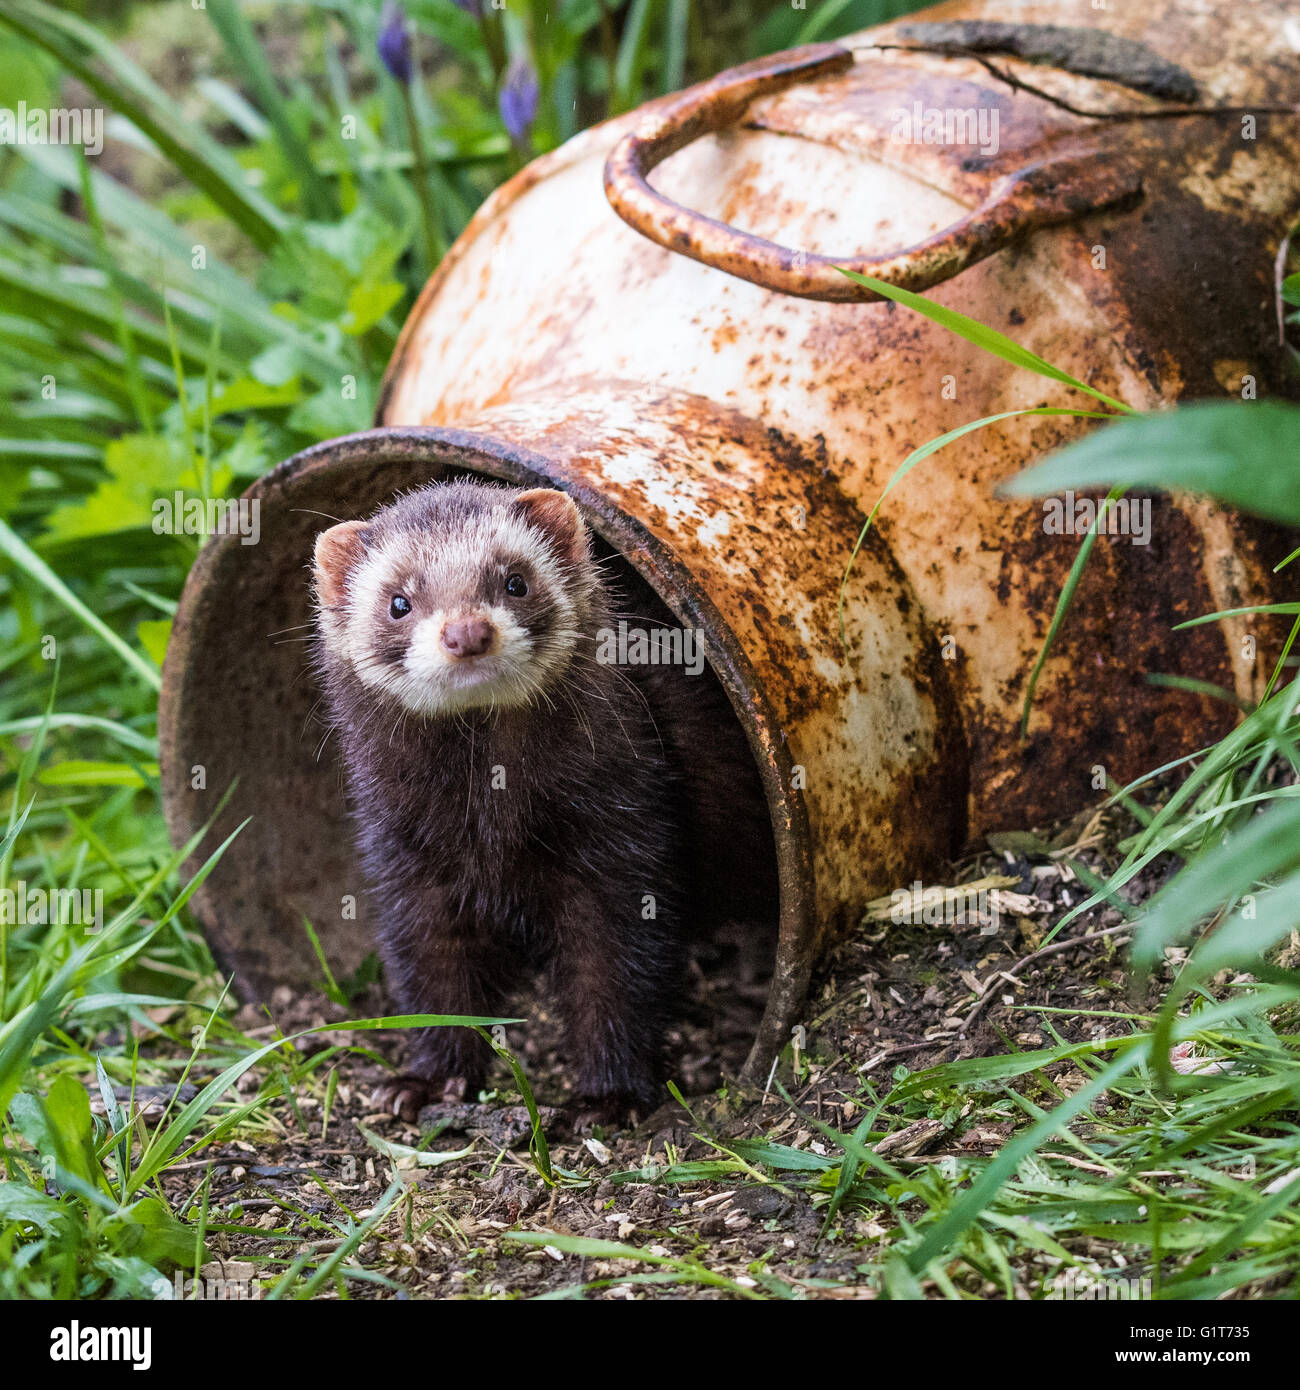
<point x="400" y="606"/>
<point x="516" y="586"/>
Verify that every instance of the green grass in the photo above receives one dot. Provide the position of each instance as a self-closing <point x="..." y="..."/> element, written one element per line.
<point x="1173" y="1179"/>
<point x="192" y="321"/>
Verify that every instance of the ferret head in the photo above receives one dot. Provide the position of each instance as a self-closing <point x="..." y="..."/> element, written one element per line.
<point x="459" y="596"/>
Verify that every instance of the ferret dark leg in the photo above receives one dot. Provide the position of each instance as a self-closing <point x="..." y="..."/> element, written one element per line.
<point x="447" y="971"/>
<point x="617" y="975"/>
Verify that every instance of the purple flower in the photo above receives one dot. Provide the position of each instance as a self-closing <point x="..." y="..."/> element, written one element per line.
<point x="518" y="99"/>
<point x="394" y="43"/>
<point x="471" y="7"/>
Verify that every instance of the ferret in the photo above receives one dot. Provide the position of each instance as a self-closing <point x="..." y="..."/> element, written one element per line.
<point x="520" y="803"/>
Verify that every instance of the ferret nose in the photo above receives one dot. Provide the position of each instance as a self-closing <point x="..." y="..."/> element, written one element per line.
<point x="468" y="637"/>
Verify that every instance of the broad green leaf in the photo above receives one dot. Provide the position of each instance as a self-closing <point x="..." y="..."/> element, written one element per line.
<point x="28" y="1118"/>
<point x="18" y="1202"/>
<point x="141" y="469"/>
<point x="72" y="1130"/>
<point x="1243" y="453"/>
<point x="328" y="413"/>
<point x="368" y="303"/>
<point x="153" y="635"/>
<point x="129" y="1276"/>
<point x="781" y="1156"/>
<point x="148" y="1231"/>
<point x="1265" y="847"/>
<point x="252" y="393"/>
<point x="900" y="1282"/>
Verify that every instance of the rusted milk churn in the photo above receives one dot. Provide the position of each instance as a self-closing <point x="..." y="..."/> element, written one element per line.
<point x="682" y="357"/>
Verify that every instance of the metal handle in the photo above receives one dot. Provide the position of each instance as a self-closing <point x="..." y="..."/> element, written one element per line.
<point x="1039" y="195"/>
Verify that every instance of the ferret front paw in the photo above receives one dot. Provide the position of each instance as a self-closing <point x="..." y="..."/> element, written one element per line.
<point x="406" y="1095"/>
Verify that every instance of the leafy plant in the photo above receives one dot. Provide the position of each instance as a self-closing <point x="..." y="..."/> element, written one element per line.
<point x="223" y="292"/>
<point x="1228" y="820"/>
<point x="228" y="292"/>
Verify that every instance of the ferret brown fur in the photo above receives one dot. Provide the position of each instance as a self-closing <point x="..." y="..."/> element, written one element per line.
<point x="521" y="804"/>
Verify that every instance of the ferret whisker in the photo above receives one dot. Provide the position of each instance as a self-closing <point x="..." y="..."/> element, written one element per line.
<point x="619" y="674"/>
<point x="563" y="689"/>
<point x="325" y="738"/>
<point x="307" y="720"/>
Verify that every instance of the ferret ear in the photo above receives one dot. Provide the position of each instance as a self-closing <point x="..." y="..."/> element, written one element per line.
<point x="556" y="516"/>
<point x="337" y="551"/>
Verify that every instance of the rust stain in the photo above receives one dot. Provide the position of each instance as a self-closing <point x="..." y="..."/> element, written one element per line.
<point x="1043" y="193"/>
<point x="727" y="426"/>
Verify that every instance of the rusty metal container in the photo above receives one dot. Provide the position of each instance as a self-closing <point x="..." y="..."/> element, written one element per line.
<point x="726" y="408"/>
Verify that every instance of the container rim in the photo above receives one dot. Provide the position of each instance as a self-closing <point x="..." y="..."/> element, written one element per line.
<point x="436" y="447"/>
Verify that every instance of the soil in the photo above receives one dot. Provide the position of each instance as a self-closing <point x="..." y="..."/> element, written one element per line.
<point x="893" y="995"/>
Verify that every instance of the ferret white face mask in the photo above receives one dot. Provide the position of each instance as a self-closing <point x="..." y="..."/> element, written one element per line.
<point x="459" y="596"/>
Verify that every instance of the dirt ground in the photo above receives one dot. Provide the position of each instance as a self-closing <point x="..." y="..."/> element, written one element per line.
<point x="892" y="995"/>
